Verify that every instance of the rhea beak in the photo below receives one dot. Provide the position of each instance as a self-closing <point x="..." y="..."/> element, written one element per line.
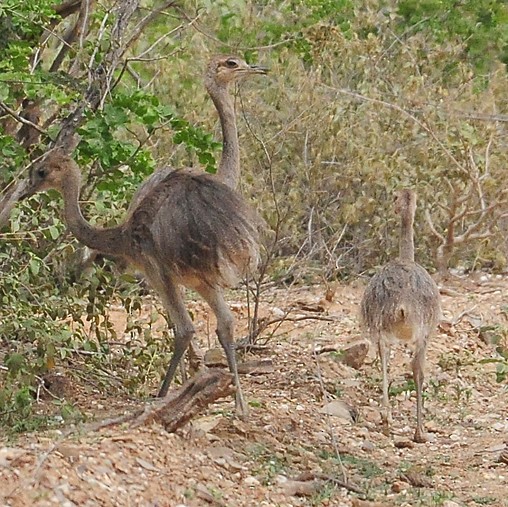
<point x="258" y="69"/>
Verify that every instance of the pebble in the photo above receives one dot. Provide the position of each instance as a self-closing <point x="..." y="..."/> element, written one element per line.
<point x="368" y="446"/>
<point x="251" y="481"/>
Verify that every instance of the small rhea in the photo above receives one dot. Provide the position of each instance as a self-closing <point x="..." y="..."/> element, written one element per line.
<point x="402" y="302"/>
<point x="183" y="227"/>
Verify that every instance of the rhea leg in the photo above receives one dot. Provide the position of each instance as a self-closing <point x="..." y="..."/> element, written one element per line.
<point x="173" y="302"/>
<point x="384" y="354"/>
<point x="225" y="332"/>
<point x="418" y="365"/>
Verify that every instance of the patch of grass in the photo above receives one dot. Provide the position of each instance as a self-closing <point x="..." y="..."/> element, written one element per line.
<point x="420" y="497"/>
<point x="18" y="412"/>
<point x="406" y="387"/>
<point x="440" y="497"/>
<point x="324" y="495"/>
<point x="270" y="464"/>
<point x="365" y="467"/>
<point x="462" y="393"/>
<point x="216" y="493"/>
<point x="337" y="355"/>
<point x="455" y="361"/>
<point x="437" y="390"/>
<point x="501" y="363"/>
<point x="484" y="500"/>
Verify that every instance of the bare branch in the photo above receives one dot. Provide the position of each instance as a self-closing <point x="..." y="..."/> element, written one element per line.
<point x="67" y="8"/>
<point x="432" y="228"/>
<point x="20" y="119"/>
<point x="78" y="30"/>
<point x="139" y="28"/>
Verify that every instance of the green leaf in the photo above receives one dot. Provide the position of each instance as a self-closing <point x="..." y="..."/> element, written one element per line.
<point x="54" y="232"/>
<point x="34" y="266"/>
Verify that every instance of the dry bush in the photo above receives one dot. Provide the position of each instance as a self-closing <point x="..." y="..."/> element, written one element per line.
<point x="329" y="135"/>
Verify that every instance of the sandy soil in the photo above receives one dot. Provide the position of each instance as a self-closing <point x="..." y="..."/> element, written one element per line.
<point x="282" y="455"/>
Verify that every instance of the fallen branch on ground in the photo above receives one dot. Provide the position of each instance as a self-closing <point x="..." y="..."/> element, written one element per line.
<point x="179" y="406"/>
<point x="311" y="476"/>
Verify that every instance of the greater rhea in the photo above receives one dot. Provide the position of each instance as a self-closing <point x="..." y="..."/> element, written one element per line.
<point x="402" y="302"/>
<point x="183" y="227"/>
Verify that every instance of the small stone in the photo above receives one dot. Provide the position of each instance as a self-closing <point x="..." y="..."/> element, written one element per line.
<point x="203" y="494"/>
<point x="354" y="355"/>
<point x="340" y="409"/>
<point x="215" y="358"/>
<point x="251" y="481"/>
<point x="368" y="446"/>
<point x="69" y="451"/>
<point x="399" y="486"/>
<point x="450" y="503"/>
<point x="301" y="488"/>
<point x="403" y="444"/>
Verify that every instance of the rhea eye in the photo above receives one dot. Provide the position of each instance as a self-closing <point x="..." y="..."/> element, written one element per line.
<point x="231" y="64"/>
<point x="41" y="172"/>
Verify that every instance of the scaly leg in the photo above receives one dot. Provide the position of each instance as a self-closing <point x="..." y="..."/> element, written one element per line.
<point x="173" y="302"/>
<point x="418" y="365"/>
<point x="384" y="354"/>
<point x="225" y="332"/>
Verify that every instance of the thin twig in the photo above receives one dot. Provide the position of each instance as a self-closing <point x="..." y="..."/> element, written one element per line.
<point x="20" y="119"/>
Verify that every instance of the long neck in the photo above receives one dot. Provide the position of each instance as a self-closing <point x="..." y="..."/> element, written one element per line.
<point x="406" y="241"/>
<point x="108" y="241"/>
<point x="229" y="166"/>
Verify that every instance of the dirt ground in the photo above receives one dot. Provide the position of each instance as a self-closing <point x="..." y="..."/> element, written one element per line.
<point x="291" y="452"/>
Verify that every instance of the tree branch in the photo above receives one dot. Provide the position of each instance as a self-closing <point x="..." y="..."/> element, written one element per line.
<point x="20" y="119"/>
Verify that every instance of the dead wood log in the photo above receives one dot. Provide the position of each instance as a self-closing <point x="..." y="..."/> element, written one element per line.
<point x="177" y="408"/>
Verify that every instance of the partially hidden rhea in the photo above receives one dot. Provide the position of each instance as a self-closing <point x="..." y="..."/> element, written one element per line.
<point x="402" y="302"/>
<point x="183" y="227"/>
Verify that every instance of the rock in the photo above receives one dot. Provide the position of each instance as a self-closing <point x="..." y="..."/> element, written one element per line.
<point x="256" y="367"/>
<point x="215" y="358"/>
<point x="301" y="488"/>
<point x="219" y="451"/>
<point x="399" y="486"/>
<point x="365" y="503"/>
<point x="9" y="455"/>
<point x="368" y="446"/>
<point x="450" y="503"/>
<point x="251" y="481"/>
<point x="354" y="355"/>
<point x="207" y="423"/>
<point x="340" y="409"/>
<point x="503" y="457"/>
<point x="417" y="479"/>
<point x="203" y="494"/>
<point x="146" y="465"/>
<point x="70" y="452"/>
<point x="403" y="444"/>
